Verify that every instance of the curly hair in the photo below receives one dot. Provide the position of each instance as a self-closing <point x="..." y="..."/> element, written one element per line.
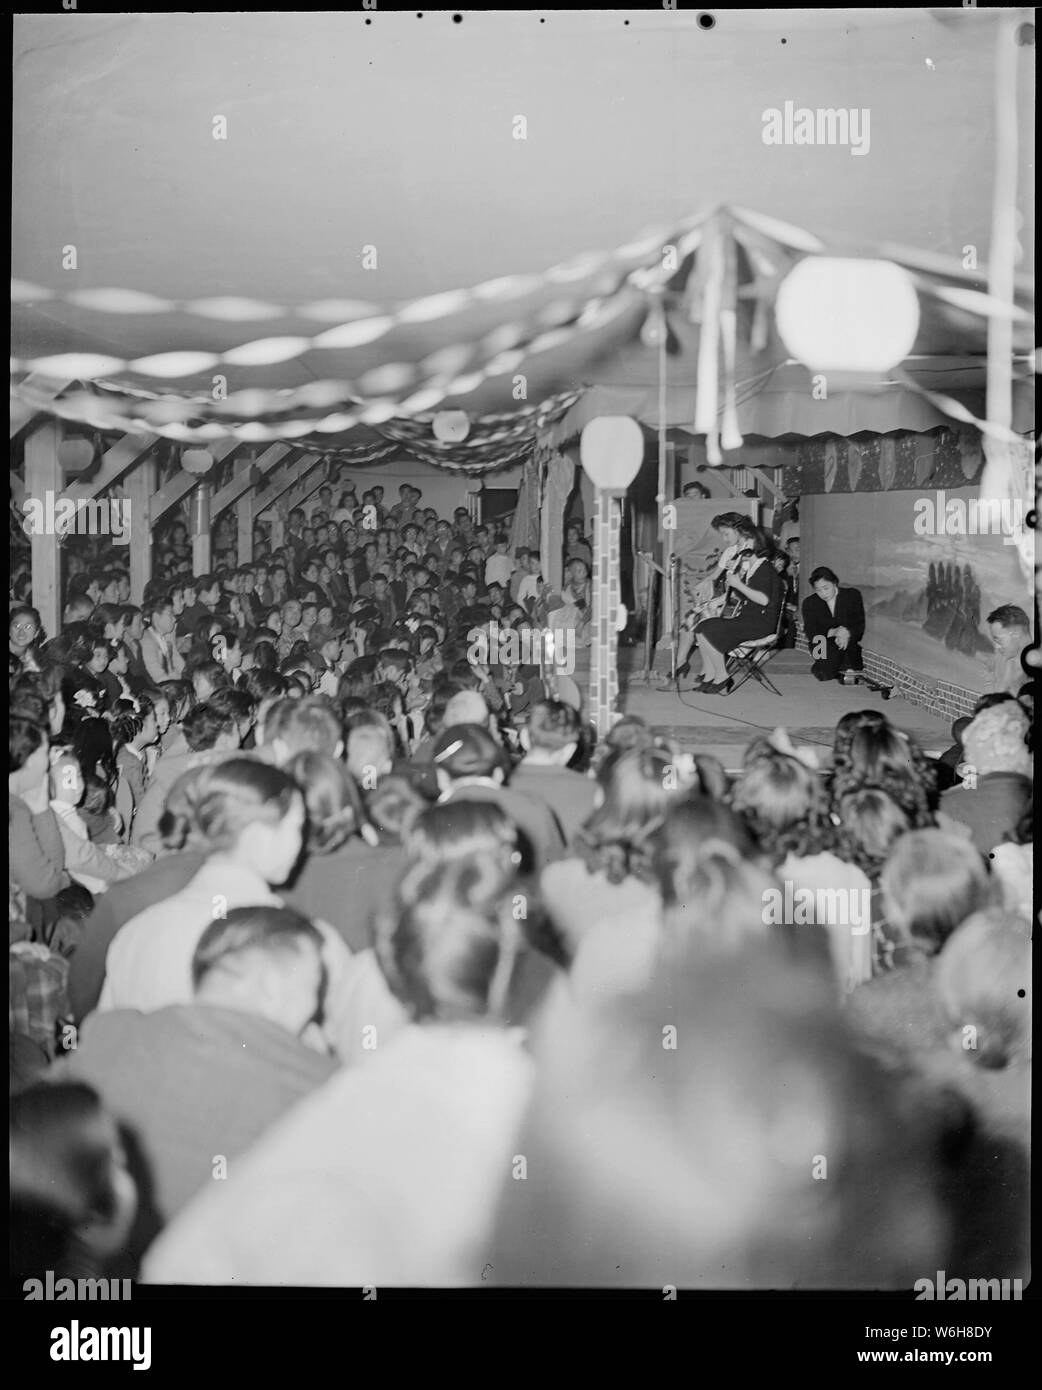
<point x="639" y="785"/>
<point x="784" y="804"/>
<point x="873" y="753"/>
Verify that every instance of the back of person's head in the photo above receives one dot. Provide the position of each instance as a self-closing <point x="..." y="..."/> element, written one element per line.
<point x="466" y="707"/>
<point x="463" y="829"/>
<point x="448" y="942"/>
<point x="226" y="797"/>
<point x="72" y="1199"/>
<point x="680" y="840"/>
<point x="239" y="705"/>
<point x="996" y="740"/>
<point x="392" y="806"/>
<point x="732" y="1079"/>
<point x="205" y="725"/>
<point x="177" y="827"/>
<point x="931" y="882"/>
<point x="180" y="697"/>
<point x="783" y="802"/>
<point x="469" y="750"/>
<point x="25" y="736"/>
<point x="265" y="961"/>
<point x="305" y="725"/>
<point x="552" y="727"/>
<point x="628" y="732"/>
<point x="982" y="982"/>
<point x="636" y="786"/>
<point x="334" y="807"/>
<point x="434" y="715"/>
<point x="869" y="822"/>
<point x="878" y="755"/>
<point x="263" y="684"/>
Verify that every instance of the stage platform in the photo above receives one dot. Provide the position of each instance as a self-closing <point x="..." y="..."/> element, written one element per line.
<point x="807" y="708"/>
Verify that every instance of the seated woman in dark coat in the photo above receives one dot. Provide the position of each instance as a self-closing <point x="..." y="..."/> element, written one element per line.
<point x="834" y="623"/>
<point x="761" y="589"/>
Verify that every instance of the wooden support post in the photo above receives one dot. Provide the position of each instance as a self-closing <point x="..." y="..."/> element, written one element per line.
<point x="42" y="476"/>
<point x="201" y="528"/>
<point x="140" y="485"/>
<point x="244" y="517"/>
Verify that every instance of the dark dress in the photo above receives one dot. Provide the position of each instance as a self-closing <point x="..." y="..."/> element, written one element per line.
<point x="755" y="620"/>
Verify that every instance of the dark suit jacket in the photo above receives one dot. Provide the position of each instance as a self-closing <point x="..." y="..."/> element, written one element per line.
<point x="991" y="809"/>
<point x="850" y="613"/>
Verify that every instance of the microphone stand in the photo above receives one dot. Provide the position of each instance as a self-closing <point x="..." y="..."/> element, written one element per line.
<point x="653" y="569"/>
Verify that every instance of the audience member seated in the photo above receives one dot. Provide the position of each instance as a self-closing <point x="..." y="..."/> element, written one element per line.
<point x="195" y="1084"/>
<point x="440" y="1104"/>
<point x="996" y="786"/>
<point x="550" y="740"/>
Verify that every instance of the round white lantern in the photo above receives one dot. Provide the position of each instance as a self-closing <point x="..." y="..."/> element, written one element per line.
<point x="843" y="315"/>
<point x="75" y="455"/>
<point x="198" y="462"/>
<point x="611" y="450"/>
<point x="451" y="426"/>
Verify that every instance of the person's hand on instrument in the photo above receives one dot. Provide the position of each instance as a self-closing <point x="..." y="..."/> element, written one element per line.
<point x="842" y="638"/>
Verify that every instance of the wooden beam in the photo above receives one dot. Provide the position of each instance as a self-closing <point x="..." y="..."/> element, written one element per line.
<point x="244" y="530"/>
<point x="181" y="483"/>
<point x="114" y="463"/>
<point x="23" y="412"/>
<point x="233" y="490"/>
<point x="771" y="486"/>
<point x="294" y="473"/>
<point x="43" y="475"/>
<point x="139" y="489"/>
<point x="719" y="473"/>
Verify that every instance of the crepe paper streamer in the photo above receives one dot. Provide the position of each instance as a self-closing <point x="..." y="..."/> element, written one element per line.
<point x="175" y="364"/>
<point x="778" y="231"/>
<point x="970" y="454"/>
<point x="339" y="310"/>
<point x="119" y="301"/>
<point x="972" y="301"/>
<point x="80" y="366"/>
<point x="24" y="292"/>
<point x="357" y="334"/>
<point x="731" y="435"/>
<point x="267" y="352"/>
<point x="708" y="365"/>
<point x="887" y="462"/>
<point x="956" y="411"/>
<point x="924" y="466"/>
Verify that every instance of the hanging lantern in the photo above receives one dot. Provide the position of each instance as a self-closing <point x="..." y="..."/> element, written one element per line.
<point x="844" y="315"/>
<point x="451" y="426"/>
<point x="198" y="462"/>
<point x="612" y="449"/>
<point x="75" y="456"/>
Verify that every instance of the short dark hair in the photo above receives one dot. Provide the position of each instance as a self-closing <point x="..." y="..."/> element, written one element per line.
<point x="552" y="725"/>
<point x="272" y="931"/>
<point x="203" y="726"/>
<point x="1009" y="615"/>
<point x="823" y="572"/>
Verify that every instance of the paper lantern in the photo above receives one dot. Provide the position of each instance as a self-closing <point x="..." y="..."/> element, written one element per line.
<point x="197" y="461"/>
<point x="612" y="450"/>
<point x="451" y="426"/>
<point x="848" y="315"/>
<point x="75" y="455"/>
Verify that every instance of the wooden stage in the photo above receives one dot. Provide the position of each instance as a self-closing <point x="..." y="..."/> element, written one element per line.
<point x="807" y="708"/>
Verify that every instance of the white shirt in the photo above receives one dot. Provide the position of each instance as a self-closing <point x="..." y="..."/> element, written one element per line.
<point x="389" y="1174"/>
<point x="149" y="962"/>
<point x="498" y="569"/>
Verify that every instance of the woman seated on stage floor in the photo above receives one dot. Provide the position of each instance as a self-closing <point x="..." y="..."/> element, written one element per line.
<point x="833" y="621"/>
<point x="761" y="589"/>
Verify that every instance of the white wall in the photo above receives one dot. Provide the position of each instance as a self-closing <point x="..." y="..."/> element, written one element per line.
<point x="442" y="490"/>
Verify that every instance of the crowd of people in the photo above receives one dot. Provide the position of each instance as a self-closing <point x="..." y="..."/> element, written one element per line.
<point x="339" y="957"/>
